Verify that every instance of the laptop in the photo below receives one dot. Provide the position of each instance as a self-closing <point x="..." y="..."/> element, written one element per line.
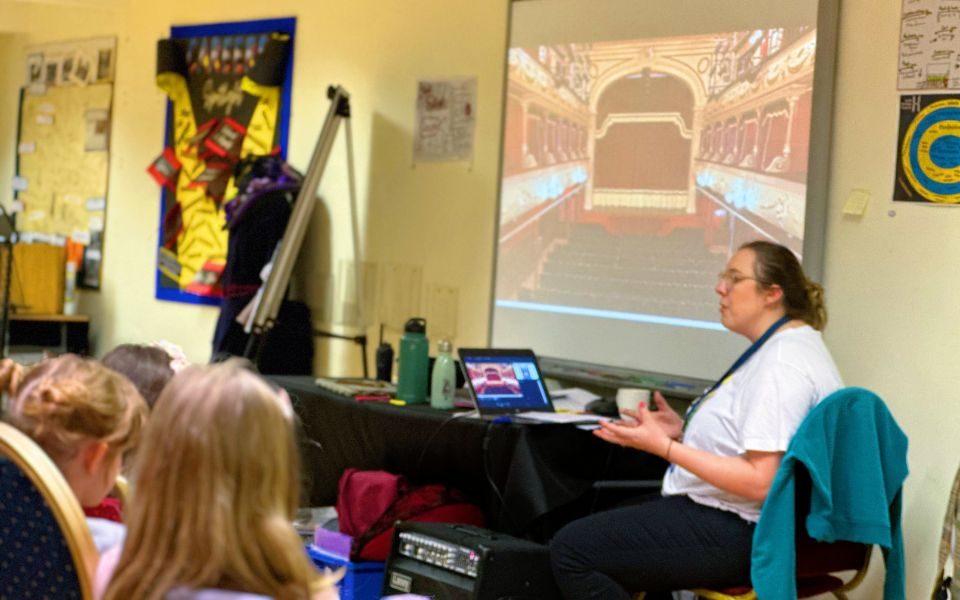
<point x="504" y="381"/>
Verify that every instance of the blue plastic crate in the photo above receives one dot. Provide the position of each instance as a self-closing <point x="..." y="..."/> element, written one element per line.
<point x="362" y="580"/>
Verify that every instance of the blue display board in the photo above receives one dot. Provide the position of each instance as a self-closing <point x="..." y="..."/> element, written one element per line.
<point x="229" y="88"/>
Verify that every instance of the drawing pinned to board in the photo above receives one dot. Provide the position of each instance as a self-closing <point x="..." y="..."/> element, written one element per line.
<point x="929" y="33"/>
<point x="83" y="72"/>
<point x="105" y="58"/>
<point x="35" y="83"/>
<point x="928" y="152"/>
<point x="446" y="116"/>
<point x="97" y="130"/>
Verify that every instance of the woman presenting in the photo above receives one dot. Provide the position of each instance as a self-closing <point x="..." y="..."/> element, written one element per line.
<point x="724" y="453"/>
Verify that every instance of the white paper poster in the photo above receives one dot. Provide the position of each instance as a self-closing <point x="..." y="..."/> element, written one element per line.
<point x="929" y="44"/>
<point x="446" y="115"/>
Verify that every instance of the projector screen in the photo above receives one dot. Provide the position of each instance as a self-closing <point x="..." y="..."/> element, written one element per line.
<point x="643" y="142"/>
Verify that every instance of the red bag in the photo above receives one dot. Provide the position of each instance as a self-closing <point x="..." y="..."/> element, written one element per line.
<point x="370" y="502"/>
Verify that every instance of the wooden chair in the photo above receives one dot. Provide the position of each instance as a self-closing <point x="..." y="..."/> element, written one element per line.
<point x="867" y="446"/>
<point x="854" y="446"/>
<point x="818" y="566"/>
<point x="46" y="550"/>
<point x="121" y="489"/>
<point x="818" y="563"/>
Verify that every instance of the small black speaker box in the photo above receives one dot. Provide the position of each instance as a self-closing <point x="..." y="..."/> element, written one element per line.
<point x="461" y="562"/>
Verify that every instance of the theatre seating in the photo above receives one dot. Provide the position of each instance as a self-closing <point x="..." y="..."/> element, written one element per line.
<point x="671" y="275"/>
<point x="46" y="550"/>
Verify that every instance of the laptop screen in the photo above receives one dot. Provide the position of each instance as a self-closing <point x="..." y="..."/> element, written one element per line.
<point x="505" y="380"/>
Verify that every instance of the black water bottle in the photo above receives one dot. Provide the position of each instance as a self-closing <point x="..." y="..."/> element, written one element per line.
<point x="384" y="359"/>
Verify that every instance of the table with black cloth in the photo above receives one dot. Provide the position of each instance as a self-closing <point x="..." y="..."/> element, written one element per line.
<point x="528" y="479"/>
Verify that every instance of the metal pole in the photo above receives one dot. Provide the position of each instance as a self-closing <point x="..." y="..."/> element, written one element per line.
<point x="274" y="289"/>
<point x="8" y="241"/>
<point x="357" y="255"/>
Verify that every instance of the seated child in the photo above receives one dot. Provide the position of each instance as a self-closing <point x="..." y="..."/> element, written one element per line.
<point x="218" y="485"/>
<point x="85" y="417"/>
<point x="147" y="367"/>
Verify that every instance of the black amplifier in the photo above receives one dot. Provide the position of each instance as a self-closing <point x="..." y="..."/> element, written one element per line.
<point x="461" y="562"/>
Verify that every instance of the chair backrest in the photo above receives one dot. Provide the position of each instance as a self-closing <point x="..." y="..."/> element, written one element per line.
<point x="851" y="455"/>
<point x="818" y="558"/>
<point x="121" y="489"/>
<point x="46" y="550"/>
<point x="819" y="563"/>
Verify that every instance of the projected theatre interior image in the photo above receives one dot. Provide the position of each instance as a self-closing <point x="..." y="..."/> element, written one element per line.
<point x="491" y="379"/>
<point x="632" y="170"/>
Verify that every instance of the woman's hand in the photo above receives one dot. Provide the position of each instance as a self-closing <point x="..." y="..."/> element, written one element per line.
<point x="748" y="475"/>
<point x="645" y="434"/>
<point x="668" y="419"/>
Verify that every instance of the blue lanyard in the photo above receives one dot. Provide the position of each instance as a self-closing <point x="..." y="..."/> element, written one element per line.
<point x="736" y="365"/>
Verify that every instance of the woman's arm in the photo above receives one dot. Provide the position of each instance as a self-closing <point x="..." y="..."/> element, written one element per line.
<point x="748" y="475"/>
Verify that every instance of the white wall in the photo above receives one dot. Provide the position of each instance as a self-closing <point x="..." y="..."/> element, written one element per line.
<point x="891" y="282"/>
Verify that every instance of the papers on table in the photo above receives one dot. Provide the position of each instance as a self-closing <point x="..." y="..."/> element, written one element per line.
<point x="552" y="417"/>
<point x="572" y="399"/>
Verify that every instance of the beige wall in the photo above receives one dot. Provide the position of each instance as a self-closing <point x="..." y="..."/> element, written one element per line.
<point x="10" y="79"/>
<point x="891" y="279"/>
<point x="377" y="51"/>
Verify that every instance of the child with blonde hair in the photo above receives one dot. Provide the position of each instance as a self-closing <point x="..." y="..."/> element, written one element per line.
<point x="218" y="484"/>
<point x="85" y="417"/>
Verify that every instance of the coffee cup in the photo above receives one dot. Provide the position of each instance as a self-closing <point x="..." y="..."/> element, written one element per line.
<point x="629" y="398"/>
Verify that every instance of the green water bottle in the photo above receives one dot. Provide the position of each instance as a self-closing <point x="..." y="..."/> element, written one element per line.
<point x="414" y="362"/>
<point x="444" y="379"/>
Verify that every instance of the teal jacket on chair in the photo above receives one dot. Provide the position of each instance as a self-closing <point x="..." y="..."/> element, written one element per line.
<point x="856" y="456"/>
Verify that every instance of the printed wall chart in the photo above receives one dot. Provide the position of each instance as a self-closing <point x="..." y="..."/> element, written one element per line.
<point x="228" y="86"/>
<point x="446" y="116"/>
<point x="929" y="44"/>
<point x="928" y="156"/>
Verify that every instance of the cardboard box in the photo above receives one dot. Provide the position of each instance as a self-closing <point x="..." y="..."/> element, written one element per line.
<point x="37" y="282"/>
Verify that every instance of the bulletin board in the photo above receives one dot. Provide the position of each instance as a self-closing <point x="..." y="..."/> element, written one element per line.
<point x="228" y="87"/>
<point x="60" y="188"/>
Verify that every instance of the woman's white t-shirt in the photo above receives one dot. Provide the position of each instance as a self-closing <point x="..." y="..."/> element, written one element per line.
<point x="759" y="407"/>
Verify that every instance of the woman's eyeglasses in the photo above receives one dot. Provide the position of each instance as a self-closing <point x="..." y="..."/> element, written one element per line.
<point x="732" y="278"/>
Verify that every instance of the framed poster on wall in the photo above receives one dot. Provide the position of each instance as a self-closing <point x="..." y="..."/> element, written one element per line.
<point x="228" y="88"/>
